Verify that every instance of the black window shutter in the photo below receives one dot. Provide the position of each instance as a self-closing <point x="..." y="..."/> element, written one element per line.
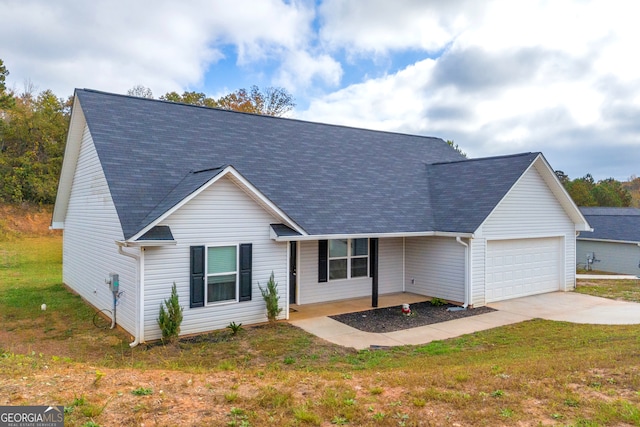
<point x="246" y="263"/>
<point x="197" y="277"/>
<point x="323" y="264"/>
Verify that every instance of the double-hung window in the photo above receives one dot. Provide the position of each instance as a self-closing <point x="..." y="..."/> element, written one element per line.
<point x="222" y="273"/>
<point x="348" y="258"/>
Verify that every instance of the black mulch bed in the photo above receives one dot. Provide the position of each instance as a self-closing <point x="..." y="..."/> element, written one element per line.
<point x="391" y="319"/>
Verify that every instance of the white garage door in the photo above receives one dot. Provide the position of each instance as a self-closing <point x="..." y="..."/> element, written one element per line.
<point x="516" y="268"/>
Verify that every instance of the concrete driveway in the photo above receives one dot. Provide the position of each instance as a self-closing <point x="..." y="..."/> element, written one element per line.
<point x="573" y="307"/>
<point x="562" y="306"/>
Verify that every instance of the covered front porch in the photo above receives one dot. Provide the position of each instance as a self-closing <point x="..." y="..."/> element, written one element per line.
<point x="419" y="266"/>
<point x="332" y="308"/>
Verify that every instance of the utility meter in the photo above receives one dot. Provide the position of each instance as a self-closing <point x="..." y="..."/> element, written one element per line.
<point x="114" y="282"/>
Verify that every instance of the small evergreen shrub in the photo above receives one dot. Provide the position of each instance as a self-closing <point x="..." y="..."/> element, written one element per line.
<point x="436" y="302"/>
<point x="171" y="317"/>
<point x="271" y="298"/>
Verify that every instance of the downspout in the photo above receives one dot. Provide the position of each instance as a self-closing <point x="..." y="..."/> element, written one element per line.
<point x="467" y="290"/>
<point x="139" y="294"/>
<point x="288" y="303"/>
<point x="404" y="266"/>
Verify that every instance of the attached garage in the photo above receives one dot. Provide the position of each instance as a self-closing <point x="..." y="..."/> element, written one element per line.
<point x="521" y="267"/>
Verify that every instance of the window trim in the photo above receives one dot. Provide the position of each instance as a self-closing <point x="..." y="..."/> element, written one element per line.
<point x="348" y="258"/>
<point x="226" y="273"/>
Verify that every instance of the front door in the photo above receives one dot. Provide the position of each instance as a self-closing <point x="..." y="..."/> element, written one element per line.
<point x="293" y="266"/>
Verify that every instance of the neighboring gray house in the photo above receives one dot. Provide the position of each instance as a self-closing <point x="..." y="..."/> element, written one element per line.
<point x="215" y="201"/>
<point x="615" y="240"/>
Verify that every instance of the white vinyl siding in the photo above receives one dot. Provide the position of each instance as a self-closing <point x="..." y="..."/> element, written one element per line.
<point x="529" y="211"/>
<point x="221" y="215"/>
<point x="613" y="257"/>
<point x="89" y="250"/>
<point x="310" y="291"/>
<point x="389" y="275"/>
<point x="478" y="249"/>
<point x="390" y="265"/>
<point x="436" y="265"/>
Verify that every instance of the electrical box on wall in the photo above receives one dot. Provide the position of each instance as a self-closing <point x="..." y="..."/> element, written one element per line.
<point x="114" y="282"/>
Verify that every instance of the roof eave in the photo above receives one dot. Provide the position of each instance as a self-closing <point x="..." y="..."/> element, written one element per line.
<point x="145" y="243"/>
<point x="591" y="239"/>
<point x="315" y="237"/>
<point x="550" y="177"/>
<point x="77" y="124"/>
<point x="246" y="186"/>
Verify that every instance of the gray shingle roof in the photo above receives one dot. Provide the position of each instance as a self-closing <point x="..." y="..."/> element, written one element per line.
<point x="159" y="232"/>
<point x="282" y="230"/>
<point x="621" y="224"/>
<point x="464" y="193"/>
<point x="329" y="179"/>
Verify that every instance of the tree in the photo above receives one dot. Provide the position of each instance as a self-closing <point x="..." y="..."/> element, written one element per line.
<point x="633" y="187"/>
<point x="193" y="98"/>
<point x="456" y="147"/>
<point x="271" y="298"/>
<point x="274" y="101"/>
<point x="607" y="192"/>
<point x="6" y="99"/>
<point x="563" y="177"/>
<point x="32" y="139"/>
<point x="610" y="192"/>
<point x="140" y="91"/>
<point x="580" y="192"/>
<point x="170" y="317"/>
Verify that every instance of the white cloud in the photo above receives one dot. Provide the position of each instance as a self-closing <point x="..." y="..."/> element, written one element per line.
<point x="380" y="26"/>
<point x="166" y="45"/>
<point x="387" y="103"/>
<point x="559" y="77"/>
<point x="300" y="70"/>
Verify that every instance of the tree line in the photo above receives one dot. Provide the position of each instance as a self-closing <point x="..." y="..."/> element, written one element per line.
<point x="272" y="101"/>
<point x="33" y="129"/>
<point x="588" y="192"/>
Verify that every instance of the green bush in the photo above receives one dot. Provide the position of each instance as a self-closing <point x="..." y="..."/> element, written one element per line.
<point x="270" y="295"/>
<point x="171" y="318"/>
<point x="436" y="302"/>
<point x="235" y="327"/>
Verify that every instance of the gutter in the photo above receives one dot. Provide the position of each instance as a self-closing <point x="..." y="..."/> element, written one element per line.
<point x="143" y="243"/>
<point x="301" y="238"/>
<point x="591" y="239"/>
<point x="467" y="282"/>
<point x="139" y="294"/>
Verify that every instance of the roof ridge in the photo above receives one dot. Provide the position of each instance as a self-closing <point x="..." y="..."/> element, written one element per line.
<point x="475" y="159"/>
<point x="258" y="115"/>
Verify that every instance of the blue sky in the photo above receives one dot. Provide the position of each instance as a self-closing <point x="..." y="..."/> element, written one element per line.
<point x="498" y="77"/>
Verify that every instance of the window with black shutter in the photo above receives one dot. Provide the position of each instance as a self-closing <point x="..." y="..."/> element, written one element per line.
<point x="220" y="274"/>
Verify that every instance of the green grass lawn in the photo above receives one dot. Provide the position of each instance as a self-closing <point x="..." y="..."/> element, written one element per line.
<point x="532" y="373"/>
<point x="625" y="290"/>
